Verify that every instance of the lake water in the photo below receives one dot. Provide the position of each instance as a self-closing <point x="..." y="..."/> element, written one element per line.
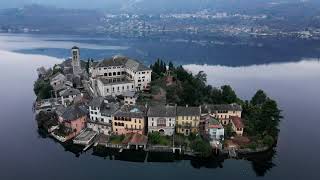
<point x="25" y="154"/>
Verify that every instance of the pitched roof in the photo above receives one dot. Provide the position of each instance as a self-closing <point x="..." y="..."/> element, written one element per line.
<point x="106" y="108"/>
<point x="73" y="113"/>
<point x="132" y="64"/>
<point x="130" y="94"/>
<point x="162" y="111"/>
<point x="238" y="123"/>
<point x="96" y="102"/>
<point x="220" y="107"/>
<point x="70" y="92"/>
<point x="57" y="76"/>
<point x="133" y="111"/>
<point x="214" y="123"/>
<point x="135" y="138"/>
<point x="188" y="111"/>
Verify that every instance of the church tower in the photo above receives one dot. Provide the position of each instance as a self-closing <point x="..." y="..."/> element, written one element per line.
<point x="76" y="60"/>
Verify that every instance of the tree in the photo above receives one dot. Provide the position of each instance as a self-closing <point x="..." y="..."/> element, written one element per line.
<point x="228" y="94"/>
<point x="259" y="98"/>
<point x="202" y="147"/>
<point x="171" y="66"/>
<point x="229" y="131"/>
<point x="154" y="138"/>
<point x="42" y="89"/>
<point x="270" y="118"/>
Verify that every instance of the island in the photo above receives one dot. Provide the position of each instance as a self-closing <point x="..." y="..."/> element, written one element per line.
<point x="121" y="104"/>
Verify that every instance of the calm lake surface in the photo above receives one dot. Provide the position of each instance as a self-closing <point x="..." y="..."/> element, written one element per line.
<point x="25" y="154"/>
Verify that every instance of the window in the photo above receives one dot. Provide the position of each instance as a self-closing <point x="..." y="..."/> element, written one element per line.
<point x="110" y="74"/>
<point x="118" y="73"/>
<point x="114" y="73"/>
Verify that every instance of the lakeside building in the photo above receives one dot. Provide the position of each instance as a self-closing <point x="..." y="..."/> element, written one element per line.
<point x="135" y="141"/>
<point x="100" y="114"/>
<point x="118" y="75"/>
<point x="68" y="95"/>
<point x="237" y="125"/>
<point x="129" y="119"/>
<point x="187" y="120"/>
<point x="162" y="118"/>
<point x="72" y="119"/>
<point x="211" y="129"/>
<point x="223" y="112"/>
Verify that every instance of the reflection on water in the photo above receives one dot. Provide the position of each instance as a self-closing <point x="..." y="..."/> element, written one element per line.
<point x="294" y="85"/>
<point x="261" y="162"/>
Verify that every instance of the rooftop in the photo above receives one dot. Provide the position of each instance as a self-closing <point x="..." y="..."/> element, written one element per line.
<point x="130" y="94"/>
<point x="188" y="111"/>
<point x="162" y="111"/>
<point x="238" y="123"/>
<point x="72" y="112"/>
<point x="214" y="123"/>
<point x="70" y="92"/>
<point x="135" y="111"/>
<point x="220" y="107"/>
<point x="136" y="139"/>
<point x="132" y="64"/>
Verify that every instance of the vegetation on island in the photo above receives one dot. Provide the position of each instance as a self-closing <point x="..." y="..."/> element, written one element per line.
<point x="42" y="89"/>
<point x="261" y="114"/>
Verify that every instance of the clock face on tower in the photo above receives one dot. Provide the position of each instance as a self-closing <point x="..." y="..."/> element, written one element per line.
<point x="74" y="53"/>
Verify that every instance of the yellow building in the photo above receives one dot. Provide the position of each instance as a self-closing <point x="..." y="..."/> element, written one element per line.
<point x="129" y="119"/>
<point x="187" y="120"/>
<point x="223" y="112"/>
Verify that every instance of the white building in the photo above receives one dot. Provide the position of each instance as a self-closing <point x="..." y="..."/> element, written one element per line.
<point x="130" y="98"/>
<point x="117" y="75"/>
<point x="162" y="119"/>
<point x="68" y="95"/>
<point x="215" y="130"/>
<point x="114" y="87"/>
<point x="100" y="113"/>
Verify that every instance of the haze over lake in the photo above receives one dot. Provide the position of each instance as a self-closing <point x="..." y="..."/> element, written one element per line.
<point x="295" y="84"/>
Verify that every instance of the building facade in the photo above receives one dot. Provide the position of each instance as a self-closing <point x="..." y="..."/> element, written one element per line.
<point x="237" y="125"/>
<point x="100" y="114"/>
<point x="73" y="119"/>
<point x="76" y="66"/>
<point x="129" y="119"/>
<point x="118" y="75"/>
<point x="222" y="112"/>
<point x="162" y="119"/>
<point x="187" y="120"/>
<point x="68" y="95"/>
<point x="130" y="98"/>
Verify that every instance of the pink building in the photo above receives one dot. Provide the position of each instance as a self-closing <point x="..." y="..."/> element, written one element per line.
<point x="73" y="119"/>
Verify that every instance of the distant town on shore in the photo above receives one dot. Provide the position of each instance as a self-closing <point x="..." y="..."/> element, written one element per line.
<point x="120" y="103"/>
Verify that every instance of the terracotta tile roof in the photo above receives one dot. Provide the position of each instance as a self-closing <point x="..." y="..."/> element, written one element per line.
<point x="135" y="138"/>
<point x="238" y="123"/>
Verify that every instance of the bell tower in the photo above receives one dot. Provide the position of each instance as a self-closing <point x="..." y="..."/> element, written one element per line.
<point x="75" y="52"/>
